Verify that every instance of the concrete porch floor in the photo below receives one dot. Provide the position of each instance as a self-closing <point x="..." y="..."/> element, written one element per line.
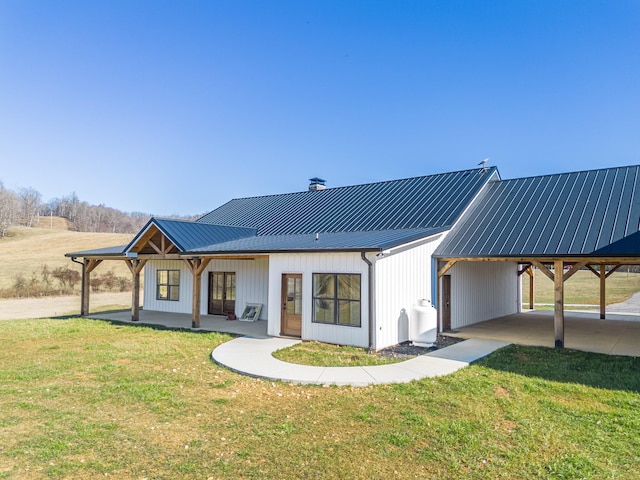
<point x="616" y="335"/>
<point x="208" y="323"/>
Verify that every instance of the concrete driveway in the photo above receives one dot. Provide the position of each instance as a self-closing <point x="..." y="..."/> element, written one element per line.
<point x="619" y="334"/>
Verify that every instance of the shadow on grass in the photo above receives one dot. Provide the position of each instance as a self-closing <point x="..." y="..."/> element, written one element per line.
<point x="568" y="366"/>
<point x="151" y="326"/>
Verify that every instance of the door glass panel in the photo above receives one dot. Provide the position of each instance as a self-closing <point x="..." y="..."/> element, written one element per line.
<point x="216" y="291"/>
<point x="298" y="296"/>
<point x="231" y="286"/>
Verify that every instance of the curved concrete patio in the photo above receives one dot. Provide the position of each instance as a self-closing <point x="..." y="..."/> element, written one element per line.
<point x="252" y="356"/>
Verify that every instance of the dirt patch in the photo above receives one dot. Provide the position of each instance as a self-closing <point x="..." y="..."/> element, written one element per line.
<point x="408" y="349"/>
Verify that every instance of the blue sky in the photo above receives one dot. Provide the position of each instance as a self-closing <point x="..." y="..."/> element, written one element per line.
<point x="177" y="107"/>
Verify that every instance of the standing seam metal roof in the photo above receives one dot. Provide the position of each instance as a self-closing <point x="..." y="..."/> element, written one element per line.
<point x="433" y="201"/>
<point x="189" y="235"/>
<point x="575" y="213"/>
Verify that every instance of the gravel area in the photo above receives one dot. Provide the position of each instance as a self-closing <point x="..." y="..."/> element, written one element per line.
<point x="632" y="305"/>
<point x="21" y="308"/>
<point x="408" y="349"/>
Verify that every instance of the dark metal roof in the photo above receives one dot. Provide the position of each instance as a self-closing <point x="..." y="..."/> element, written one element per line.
<point x="580" y="213"/>
<point x="340" y="241"/>
<point x="433" y="201"/>
<point x="116" y="251"/>
<point x="189" y="235"/>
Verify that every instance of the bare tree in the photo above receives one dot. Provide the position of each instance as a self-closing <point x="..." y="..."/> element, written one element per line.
<point x="9" y="204"/>
<point x="31" y="200"/>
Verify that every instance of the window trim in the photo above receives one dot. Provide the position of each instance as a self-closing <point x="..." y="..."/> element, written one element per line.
<point x="335" y="299"/>
<point x="170" y="286"/>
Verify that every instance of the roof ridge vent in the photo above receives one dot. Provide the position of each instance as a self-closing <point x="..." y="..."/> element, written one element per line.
<point x="317" y="184"/>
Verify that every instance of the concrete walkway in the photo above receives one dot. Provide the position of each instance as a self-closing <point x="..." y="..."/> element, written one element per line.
<point x="252" y="356"/>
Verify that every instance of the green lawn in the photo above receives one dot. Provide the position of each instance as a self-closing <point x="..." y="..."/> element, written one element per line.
<point x="86" y="399"/>
<point x="583" y="288"/>
<point x="327" y="355"/>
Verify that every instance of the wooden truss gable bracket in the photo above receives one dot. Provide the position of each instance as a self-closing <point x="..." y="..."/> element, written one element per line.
<point x="197" y="265"/>
<point x="612" y="270"/>
<point x="573" y="270"/>
<point x="135" y="265"/>
<point x="446" y="267"/>
<point x="91" y="264"/>
<point x="593" y="270"/>
<point x="165" y="247"/>
<point x="525" y="268"/>
<point x="603" y="270"/>
<point x="544" y="269"/>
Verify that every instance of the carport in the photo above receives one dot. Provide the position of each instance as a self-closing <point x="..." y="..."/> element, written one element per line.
<point x="618" y="335"/>
<point x="558" y="224"/>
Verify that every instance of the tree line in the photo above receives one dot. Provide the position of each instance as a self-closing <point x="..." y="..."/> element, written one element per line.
<point x="62" y="281"/>
<point x="26" y="208"/>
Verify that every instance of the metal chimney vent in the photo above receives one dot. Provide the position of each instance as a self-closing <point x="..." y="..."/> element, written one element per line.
<point x="317" y="184"/>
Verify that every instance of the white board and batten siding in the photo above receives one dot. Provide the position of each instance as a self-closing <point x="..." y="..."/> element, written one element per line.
<point x="307" y="265"/>
<point x="481" y="291"/>
<point x="251" y="285"/>
<point x="401" y="280"/>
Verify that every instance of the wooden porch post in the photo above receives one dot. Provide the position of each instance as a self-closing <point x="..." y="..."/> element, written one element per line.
<point x="437" y="303"/>
<point x="84" y="295"/>
<point x="603" y="282"/>
<point x="197" y="266"/>
<point x="558" y="317"/>
<point x="195" y="308"/>
<point x="88" y="266"/>
<point x="135" y="266"/>
<point x="531" y="273"/>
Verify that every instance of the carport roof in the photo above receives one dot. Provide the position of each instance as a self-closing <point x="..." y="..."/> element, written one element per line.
<point x="593" y="212"/>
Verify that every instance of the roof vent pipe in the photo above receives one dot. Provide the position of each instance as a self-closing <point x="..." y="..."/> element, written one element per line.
<point x="317" y="184"/>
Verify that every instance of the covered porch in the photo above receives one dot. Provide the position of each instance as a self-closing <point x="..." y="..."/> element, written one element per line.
<point x="557" y="269"/>
<point x="208" y="323"/>
<point x="619" y="334"/>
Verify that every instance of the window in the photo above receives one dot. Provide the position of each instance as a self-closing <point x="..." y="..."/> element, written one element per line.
<point x="336" y="299"/>
<point x="168" y="285"/>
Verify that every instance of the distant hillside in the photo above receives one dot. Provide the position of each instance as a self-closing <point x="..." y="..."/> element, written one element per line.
<point x="25" y="250"/>
<point x="25" y="208"/>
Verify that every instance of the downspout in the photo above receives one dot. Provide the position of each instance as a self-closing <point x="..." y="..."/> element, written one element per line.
<point x="371" y="277"/>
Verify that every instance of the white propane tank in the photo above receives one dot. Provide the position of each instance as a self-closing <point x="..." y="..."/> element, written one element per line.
<point x="424" y="325"/>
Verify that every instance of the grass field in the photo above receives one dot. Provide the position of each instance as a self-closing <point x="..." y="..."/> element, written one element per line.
<point x="583" y="288"/>
<point x="328" y="355"/>
<point x="86" y="399"/>
<point x="25" y="250"/>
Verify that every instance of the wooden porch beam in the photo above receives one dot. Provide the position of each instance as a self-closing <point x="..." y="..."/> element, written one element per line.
<point x="544" y="270"/>
<point x="567" y="259"/>
<point x="573" y="270"/>
<point x="614" y="269"/>
<point x="446" y="267"/>
<point x="593" y="270"/>
<point x="158" y="249"/>
<point x="525" y="268"/>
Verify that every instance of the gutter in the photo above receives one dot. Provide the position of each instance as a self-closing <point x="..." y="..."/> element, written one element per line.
<point x="371" y="277"/>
